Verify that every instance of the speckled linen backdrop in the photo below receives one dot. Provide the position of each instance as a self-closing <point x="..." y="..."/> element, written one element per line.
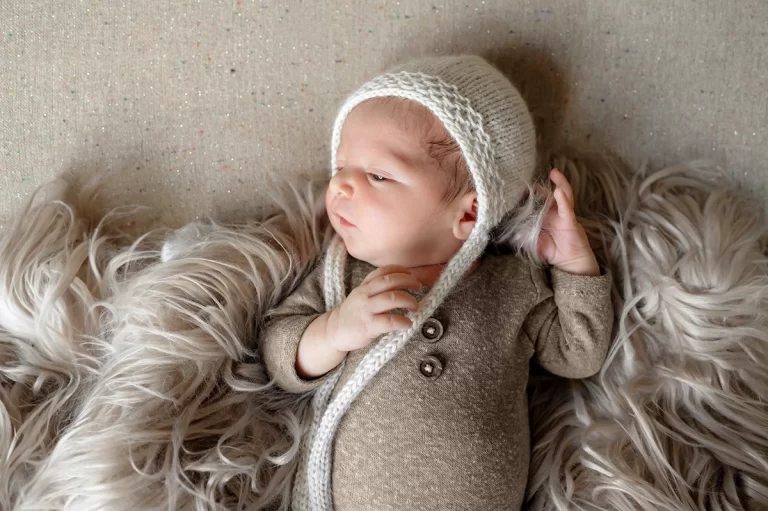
<point x="187" y="105"/>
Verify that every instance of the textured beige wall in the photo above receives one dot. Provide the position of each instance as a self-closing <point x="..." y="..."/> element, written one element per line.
<point x="187" y="105"/>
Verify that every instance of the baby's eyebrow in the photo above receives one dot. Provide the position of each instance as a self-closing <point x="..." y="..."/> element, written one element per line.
<point x="401" y="158"/>
<point x="391" y="161"/>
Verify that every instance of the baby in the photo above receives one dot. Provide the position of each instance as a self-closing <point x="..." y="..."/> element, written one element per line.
<point x="428" y="159"/>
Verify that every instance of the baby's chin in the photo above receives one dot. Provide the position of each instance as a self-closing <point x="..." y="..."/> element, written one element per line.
<point x="354" y="251"/>
<point x="361" y="250"/>
<point x="376" y="258"/>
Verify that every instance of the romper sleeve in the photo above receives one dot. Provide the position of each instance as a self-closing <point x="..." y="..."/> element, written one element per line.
<point x="281" y="328"/>
<point x="571" y="324"/>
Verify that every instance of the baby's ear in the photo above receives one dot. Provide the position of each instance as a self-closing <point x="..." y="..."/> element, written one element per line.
<point x="466" y="216"/>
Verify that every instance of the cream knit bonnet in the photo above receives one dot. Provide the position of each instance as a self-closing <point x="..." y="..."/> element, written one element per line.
<point x="488" y="118"/>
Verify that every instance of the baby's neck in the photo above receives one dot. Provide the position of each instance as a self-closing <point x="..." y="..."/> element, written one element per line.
<point x="428" y="274"/>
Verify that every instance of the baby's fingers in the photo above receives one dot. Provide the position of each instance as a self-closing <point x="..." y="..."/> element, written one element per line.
<point x="562" y="183"/>
<point x="391" y="281"/>
<point x="389" y="300"/>
<point x="564" y="207"/>
<point x="385" y="270"/>
<point x="384" y="323"/>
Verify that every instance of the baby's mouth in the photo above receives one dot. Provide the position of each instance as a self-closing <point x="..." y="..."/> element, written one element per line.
<point x="343" y="221"/>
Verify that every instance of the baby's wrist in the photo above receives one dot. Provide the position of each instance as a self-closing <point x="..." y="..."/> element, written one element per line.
<point x="587" y="266"/>
<point x="332" y="330"/>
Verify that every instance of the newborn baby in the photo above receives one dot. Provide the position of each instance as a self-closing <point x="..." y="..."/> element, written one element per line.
<point x="443" y="424"/>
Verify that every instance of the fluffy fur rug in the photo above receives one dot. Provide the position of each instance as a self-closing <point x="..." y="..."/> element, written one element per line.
<point x="129" y="383"/>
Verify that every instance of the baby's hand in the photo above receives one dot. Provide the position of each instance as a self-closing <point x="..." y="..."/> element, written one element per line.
<point x="364" y="314"/>
<point x="563" y="242"/>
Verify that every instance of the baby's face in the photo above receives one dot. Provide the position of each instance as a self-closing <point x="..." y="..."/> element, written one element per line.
<point x="385" y="199"/>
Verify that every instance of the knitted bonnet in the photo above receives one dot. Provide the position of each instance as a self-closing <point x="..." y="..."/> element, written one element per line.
<point x="488" y="118"/>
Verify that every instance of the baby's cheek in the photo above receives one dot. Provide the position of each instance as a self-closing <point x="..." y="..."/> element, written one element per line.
<point x="402" y="228"/>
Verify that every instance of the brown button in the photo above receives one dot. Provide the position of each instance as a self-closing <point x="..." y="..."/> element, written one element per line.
<point x="430" y="367"/>
<point x="432" y="330"/>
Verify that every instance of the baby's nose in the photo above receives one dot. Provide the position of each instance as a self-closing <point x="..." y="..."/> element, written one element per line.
<point x="345" y="190"/>
<point x="340" y="186"/>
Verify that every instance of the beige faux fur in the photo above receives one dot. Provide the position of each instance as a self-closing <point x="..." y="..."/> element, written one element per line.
<point x="131" y="383"/>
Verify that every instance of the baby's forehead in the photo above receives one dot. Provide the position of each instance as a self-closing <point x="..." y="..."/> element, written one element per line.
<point x="392" y="124"/>
<point x="408" y="116"/>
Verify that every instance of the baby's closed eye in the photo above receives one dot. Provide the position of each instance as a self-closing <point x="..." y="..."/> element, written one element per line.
<point x="371" y="175"/>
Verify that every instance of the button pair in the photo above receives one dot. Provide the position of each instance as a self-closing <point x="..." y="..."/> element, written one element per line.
<point x="430" y="366"/>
